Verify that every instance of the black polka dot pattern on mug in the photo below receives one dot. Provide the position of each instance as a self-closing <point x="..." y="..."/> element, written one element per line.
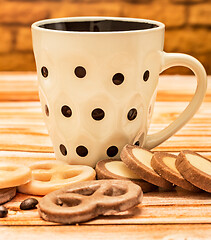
<point x="146" y="75"/>
<point x="63" y="149"/>
<point x="44" y="72"/>
<point x="80" y="72"/>
<point x="132" y="114"/>
<point x="98" y="114"/>
<point x="82" y="151"/>
<point x="118" y="78"/>
<point x="66" y="111"/>
<point x="112" y="151"/>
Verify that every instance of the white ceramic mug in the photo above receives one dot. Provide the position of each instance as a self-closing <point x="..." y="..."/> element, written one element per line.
<point x="97" y="83"/>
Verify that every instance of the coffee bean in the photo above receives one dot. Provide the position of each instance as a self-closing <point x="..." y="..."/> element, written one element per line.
<point x="3" y="211"/>
<point x="28" y="204"/>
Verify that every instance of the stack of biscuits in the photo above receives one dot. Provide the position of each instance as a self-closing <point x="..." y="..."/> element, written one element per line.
<point x="189" y="170"/>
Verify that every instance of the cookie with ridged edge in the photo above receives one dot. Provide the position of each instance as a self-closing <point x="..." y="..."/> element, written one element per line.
<point x="138" y="160"/>
<point x="116" y="169"/>
<point x="195" y="168"/>
<point x="164" y="164"/>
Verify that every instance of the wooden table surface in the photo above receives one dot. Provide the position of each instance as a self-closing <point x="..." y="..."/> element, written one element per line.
<point x="162" y="215"/>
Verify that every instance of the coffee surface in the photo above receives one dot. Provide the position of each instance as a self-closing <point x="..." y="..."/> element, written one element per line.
<point x="98" y="26"/>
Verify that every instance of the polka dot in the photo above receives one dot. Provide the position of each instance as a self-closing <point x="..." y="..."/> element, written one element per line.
<point x="136" y="143"/>
<point x="82" y="151"/>
<point x="63" y="149"/>
<point x="132" y="114"/>
<point x="98" y="114"/>
<point x="118" y="78"/>
<point x="66" y="111"/>
<point x="44" y="72"/>
<point x="46" y="110"/>
<point x="112" y="151"/>
<point x="146" y="75"/>
<point x="80" y="72"/>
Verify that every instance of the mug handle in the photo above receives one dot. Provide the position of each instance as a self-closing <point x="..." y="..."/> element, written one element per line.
<point x="178" y="59"/>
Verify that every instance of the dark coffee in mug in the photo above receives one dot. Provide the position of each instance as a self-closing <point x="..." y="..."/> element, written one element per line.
<point x="99" y="26"/>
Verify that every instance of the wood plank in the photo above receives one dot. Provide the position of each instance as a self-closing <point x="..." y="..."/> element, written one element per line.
<point x="179" y="88"/>
<point x="98" y="232"/>
<point x="34" y="143"/>
<point x="18" y="86"/>
<point x="26" y="158"/>
<point x="165" y="112"/>
<point x="157" y="208"/>
<point x="22" y="127"/>
<point x="23" y="86"/>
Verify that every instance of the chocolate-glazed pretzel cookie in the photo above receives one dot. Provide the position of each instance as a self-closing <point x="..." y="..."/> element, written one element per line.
<point x="6" y="194"/>
<point x="86" y="200"/>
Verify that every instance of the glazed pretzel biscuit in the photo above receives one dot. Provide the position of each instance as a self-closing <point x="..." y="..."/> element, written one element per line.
<point x="48" y="176"/>
<point x="116" y="169"/>
<point x="12" y="174"/>
<point x="83" y="201"/>
<point x="6" y="194"/>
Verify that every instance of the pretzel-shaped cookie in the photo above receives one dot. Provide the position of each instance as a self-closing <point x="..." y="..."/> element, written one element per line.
<point x="50" y="175"/>
<point x="6" y="194"/>
<point x="85" y="200"/>
<point x="12" y="174"/>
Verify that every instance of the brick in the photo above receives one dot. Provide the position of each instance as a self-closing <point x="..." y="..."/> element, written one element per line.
<point x="138" y="1"/>
<point x="67" y="9"/>
<point x="203" y="58"/>
<point x="23" y="12"/>
<point x="178" y="70"/>
<point x="188" y="1"/>
<point x="5" y="39"/>
<point x="17" y="61"/>
<point x="172" y="15"/>
<point x="28" y="12"/>
<point x="188" y="40"/>
<point x="23" y="39"/>
<point x="200" y="14"/>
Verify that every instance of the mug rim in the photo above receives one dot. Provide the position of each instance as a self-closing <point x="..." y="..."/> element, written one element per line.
<point x="37" y="25"/>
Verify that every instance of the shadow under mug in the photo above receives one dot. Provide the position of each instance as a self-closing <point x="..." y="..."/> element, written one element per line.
<point x="97" y="83"/>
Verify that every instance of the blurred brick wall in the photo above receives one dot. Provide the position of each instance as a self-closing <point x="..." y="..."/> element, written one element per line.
<point x="188" y="25"/>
